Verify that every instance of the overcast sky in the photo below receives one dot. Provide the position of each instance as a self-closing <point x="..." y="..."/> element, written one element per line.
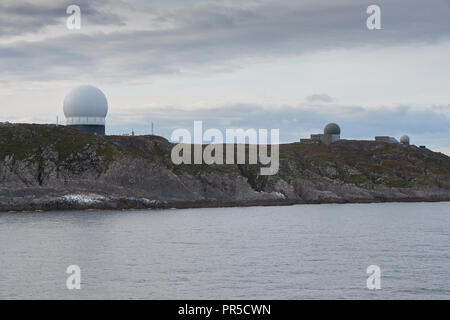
<point x="294" y="65"/>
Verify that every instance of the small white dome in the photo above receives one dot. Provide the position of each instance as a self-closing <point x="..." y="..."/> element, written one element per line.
<point x="85" y="101"/>
<point x="404" y="139"/>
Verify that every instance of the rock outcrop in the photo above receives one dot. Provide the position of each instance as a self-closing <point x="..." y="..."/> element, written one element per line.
<point x="48" y="167"/>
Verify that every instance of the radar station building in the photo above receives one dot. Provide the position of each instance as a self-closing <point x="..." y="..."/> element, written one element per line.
<point x="331" y="134"/>
<point x="85" y="108"/>
<point x="386" y="139"/>
<point x="404" y="140"/>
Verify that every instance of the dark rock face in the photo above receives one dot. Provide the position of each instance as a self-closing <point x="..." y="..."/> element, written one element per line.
<point x="45" y="167"/>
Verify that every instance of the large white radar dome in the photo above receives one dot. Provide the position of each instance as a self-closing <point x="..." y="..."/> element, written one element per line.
<point x="85" y="102"/>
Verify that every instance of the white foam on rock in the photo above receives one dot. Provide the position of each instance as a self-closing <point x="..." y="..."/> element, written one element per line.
<point x="279" y="195"/>
<point x="83" y="198"/>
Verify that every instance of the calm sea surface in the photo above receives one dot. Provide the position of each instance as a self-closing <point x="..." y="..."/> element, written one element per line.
<point x="298" y="252"/>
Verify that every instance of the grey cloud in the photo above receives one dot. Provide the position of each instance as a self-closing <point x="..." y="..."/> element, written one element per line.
<point x="442" y="108"/>
<point x="21" y="17"/>
<point x="220" y="34"/>
<point x="319" y="98"/>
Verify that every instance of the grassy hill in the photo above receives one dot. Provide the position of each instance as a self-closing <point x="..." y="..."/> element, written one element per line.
<point x="57" y="167"/>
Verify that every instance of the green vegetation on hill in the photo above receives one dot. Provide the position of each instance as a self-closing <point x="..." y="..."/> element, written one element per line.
<point x="29" y="141"/>
<point x="362" y="162"/>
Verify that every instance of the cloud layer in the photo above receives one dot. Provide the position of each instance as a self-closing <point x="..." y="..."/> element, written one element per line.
<point x="136" y="40"/>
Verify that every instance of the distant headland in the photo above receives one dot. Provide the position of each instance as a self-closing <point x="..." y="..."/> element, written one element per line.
<point x="50" y="167"/>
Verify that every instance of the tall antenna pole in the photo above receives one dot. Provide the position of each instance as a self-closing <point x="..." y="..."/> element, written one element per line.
<point x="152" y="129"/>
<point x="57" y="122"/>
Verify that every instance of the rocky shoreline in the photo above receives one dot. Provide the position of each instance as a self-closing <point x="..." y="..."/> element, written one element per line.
<point x="58" y="204"/>
<point x="45" y="167"/>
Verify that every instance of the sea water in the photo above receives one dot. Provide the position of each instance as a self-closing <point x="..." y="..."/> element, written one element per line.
<point x="292" y="252"/>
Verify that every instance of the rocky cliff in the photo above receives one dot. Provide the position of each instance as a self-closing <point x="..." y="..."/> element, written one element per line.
<point x="48" y="167"/>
